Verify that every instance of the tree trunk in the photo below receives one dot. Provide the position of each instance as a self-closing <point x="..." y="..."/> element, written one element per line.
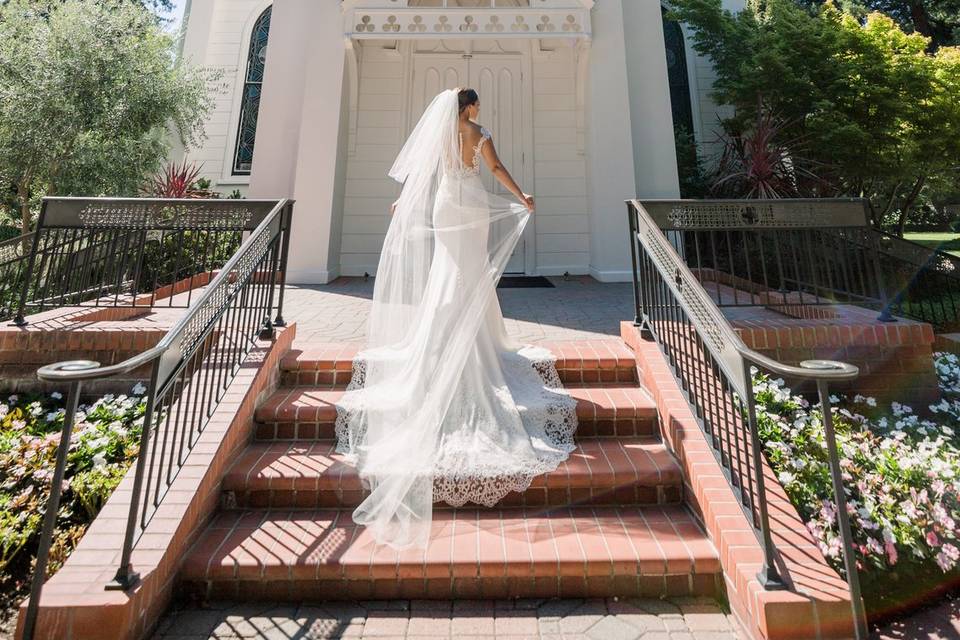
<point x="921" y="21"/>
<point x="889" y="205"/>
<point x="23" y="199"/>
<point x="908" y="204"/>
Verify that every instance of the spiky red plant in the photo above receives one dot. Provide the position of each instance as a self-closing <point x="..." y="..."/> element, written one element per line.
<point x="176" y="181"/>
<point x="760" y="163"/>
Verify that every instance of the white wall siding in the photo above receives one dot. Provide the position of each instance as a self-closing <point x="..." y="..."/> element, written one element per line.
<point x="374" y="146"/>
<point x="561" y="220"/>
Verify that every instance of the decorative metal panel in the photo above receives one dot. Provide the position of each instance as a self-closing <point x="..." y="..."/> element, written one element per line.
<point x="753" y="214"/>
<point x="153" y="215"/>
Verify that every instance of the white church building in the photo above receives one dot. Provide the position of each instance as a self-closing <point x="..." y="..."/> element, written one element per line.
<point x="582" y="96"/>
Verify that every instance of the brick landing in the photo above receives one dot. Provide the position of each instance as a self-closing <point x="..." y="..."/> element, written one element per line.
<point x="575" y="619"/>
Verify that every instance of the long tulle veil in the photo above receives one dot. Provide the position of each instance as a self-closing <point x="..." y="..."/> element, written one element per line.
<point x="446" y="247"/>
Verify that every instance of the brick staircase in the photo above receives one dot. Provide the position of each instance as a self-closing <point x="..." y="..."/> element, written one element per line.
<point x="609" y="521"/>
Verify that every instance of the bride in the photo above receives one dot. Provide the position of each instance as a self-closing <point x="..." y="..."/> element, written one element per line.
<point x="442" y="406"/>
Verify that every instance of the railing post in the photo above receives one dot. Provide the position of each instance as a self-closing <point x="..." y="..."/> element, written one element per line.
<point x="632" y="223"/>
<point x="50" y="516"/>
<point x="885" y="315"/>
<point x="287" y="222"/>
<point x="19" y="319"/>
<point x="768" y="575"/>
<point x="843" y="519"/>
<point x="126" y="577"/>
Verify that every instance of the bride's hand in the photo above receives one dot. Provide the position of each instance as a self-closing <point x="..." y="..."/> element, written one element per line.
<point x="527" y="199"/>
<point x="393" y="207"/>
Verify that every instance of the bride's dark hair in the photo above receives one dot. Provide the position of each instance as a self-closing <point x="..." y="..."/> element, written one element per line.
<point x="467" y="97"/>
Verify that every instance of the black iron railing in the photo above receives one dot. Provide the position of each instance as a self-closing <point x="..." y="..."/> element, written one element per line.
<point x="127" y="252"/>
<point x="14" y="257"/>
<point x="789" y="254"/>
<point x="190" y="370"/>
<point x="775" y="252"/>
<point x="713" y="367"/>
<point x="925" y="282"/>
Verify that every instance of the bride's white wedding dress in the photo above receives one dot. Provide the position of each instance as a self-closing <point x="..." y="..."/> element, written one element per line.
<point x="442" y="405"/>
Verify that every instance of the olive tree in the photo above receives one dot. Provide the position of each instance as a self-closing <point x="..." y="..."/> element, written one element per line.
<point x="90" y="95"/>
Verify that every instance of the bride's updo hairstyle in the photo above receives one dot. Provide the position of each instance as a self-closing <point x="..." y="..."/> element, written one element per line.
<point x="467" y="97"/>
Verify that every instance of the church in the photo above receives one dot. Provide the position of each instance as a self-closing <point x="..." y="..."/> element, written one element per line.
<point x="314" y="98"/>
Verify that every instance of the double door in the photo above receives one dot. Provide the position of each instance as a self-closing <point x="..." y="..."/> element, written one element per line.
<point x="497" y="78"/>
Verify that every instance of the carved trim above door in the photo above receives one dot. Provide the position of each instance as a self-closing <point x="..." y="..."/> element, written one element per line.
<point x="404" y="19"/>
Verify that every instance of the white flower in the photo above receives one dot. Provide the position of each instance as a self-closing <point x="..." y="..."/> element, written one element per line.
<point x="138" y="389"/>
<point x="99" y="461"/>
<point x="56" y="395"/>
<point x="786" y="477"/>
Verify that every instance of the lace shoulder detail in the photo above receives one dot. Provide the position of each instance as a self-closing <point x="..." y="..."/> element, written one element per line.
<point x="473" y="169"/>
<point x="484" y="136"/>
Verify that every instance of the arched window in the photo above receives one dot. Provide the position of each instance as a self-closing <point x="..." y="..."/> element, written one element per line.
<point x="250" y="99"/>
<point x="680" y="100"/>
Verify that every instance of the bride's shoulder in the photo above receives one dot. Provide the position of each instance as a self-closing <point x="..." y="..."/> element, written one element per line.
<point x="476" y="131"/>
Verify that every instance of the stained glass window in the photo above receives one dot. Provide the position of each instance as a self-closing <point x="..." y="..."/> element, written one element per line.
<point x="677" y="76"/>
<point x="250" y="100"/>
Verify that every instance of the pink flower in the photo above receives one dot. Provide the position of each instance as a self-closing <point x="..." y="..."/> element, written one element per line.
<point x="932" y="539"/>
<point x="943" y="517"/>
<point x="891" y="550"/>
<point x="948" y="556"/>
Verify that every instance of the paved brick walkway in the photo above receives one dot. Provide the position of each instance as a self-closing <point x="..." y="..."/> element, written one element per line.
<point x="681" y="619"/>
<point x="576" y="309"/>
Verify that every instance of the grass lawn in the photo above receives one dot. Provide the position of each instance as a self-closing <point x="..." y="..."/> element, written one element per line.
<point x="944" y="240"/>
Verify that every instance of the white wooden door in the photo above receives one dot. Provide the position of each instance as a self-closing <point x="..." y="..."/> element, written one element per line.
<point x="497" y="80"/>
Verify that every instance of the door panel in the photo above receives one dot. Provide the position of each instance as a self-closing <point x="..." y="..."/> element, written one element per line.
<point x="497" y="80"/>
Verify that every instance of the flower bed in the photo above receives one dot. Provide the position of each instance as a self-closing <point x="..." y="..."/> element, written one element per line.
<point x="901" y="478"/>
<point x="104" y="443"/>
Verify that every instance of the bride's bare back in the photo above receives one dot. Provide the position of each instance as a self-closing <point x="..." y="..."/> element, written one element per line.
<point x="471" y="137"/>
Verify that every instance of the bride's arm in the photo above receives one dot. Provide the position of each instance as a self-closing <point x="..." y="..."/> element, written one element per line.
<point x="500" y="173"/>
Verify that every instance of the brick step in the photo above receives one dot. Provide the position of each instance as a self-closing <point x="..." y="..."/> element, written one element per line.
<point x="309" y="475"/>
<point x="482" y="553"/>
<point x="303" y="413"/>
<point x="594" y="361"/>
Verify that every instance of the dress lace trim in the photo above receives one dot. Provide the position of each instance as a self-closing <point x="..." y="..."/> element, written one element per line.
<point x="474" y="168"/>
<point x="548" y="414"/>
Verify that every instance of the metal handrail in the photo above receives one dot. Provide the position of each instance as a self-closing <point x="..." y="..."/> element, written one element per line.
<point x="177" y="371"/>
<point x="667" y="295"/>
